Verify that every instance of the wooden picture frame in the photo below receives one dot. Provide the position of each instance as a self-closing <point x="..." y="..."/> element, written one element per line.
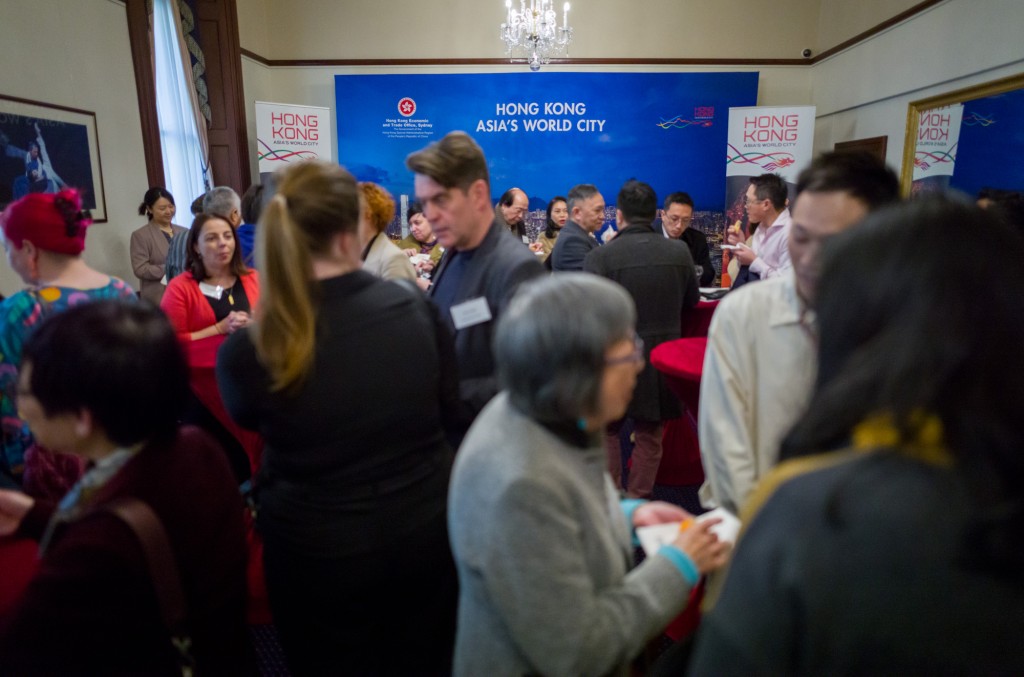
<point x="874" y="146"/>
<point x="45" y="147"/>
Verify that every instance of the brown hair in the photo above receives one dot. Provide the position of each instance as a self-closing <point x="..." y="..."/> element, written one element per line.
<point x="194" y="262"/>
<point x="456" y="161"/>
<point x="314" y="202"/>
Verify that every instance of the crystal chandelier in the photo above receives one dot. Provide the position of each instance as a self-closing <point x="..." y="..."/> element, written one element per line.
<point x="533" y="29"/>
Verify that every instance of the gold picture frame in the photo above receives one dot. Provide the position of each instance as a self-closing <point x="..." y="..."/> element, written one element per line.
<point x="915" y="108"/>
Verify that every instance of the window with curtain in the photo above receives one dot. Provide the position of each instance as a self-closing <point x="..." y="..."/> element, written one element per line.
<point x="179" y="136"/>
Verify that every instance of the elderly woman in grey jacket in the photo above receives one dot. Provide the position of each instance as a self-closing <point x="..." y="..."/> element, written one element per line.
<point x="540" y="536"/>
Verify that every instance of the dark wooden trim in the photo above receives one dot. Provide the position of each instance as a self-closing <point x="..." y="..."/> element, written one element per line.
<point x="46" y="104"/>
<point x="145" y="85"/>
<point x="568" y="61"/>
<point x="237" y="98"/>
<point x="888" y="23"/>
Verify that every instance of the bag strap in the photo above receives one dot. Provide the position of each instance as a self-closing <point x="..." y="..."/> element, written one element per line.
<point x="163" y="571"/>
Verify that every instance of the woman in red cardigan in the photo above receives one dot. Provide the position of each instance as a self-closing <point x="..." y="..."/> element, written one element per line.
<point x="214" y="297"/>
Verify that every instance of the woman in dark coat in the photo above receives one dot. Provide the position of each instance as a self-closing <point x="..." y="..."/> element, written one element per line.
<point x="106" y="381"/>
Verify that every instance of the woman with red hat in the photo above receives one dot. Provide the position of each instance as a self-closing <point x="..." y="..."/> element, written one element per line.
<point x="44" y="235"/>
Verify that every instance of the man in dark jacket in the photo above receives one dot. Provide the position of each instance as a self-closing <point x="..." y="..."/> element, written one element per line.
<point x="576" y="240"/>
<point x="483" y="263"/>
<point x="660" y="277"/>
<point x="676" y="217"/>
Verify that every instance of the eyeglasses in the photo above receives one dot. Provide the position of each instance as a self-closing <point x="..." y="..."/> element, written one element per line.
<point x="636" y="356"/>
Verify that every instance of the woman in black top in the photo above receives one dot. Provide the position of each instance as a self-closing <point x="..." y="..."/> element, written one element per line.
<point x="348" y="378"/>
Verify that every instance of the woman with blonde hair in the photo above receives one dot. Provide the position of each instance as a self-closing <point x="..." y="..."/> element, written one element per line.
<point x="353" y="485"/>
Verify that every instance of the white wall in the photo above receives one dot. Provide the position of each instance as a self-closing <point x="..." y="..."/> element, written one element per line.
<point x="80" y="57"/>
<point x="864" y="91"/>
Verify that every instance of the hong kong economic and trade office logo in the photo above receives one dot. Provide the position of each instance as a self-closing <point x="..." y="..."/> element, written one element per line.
<point x="406" y="107"/>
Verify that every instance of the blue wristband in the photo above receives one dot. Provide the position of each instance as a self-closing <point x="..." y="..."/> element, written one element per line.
<point x="629" y="506"/>
<point x="682" y="562"/>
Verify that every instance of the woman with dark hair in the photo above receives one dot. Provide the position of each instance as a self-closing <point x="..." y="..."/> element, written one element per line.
<point x="901" y="550"/>
<point x="352" y="490"/>
<point x="214" y="298"/>
<point x="44" y="235"/>
<point x="540" y="537"/>
<point x="558" y="214"/>
<point x="149" y="244"/>
<point x="105" y="381"/>
<point x="421" y="245"/>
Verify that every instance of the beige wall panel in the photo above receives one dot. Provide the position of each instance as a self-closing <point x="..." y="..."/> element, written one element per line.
<point x="403" y="29"/>
<point x="841" y="20"/>
<point x="86" y="63"/>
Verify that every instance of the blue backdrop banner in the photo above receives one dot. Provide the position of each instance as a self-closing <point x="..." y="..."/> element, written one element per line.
<point x="546" y="132"/>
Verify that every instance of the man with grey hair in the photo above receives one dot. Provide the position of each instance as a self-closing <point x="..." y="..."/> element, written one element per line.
<point x="586" y="214"/>
<point x="482" y="266"/>
<point x="224" y="202"/>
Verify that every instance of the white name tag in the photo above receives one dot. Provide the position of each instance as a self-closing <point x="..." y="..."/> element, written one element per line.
<point x="526" y="239"/>
<point x="470" y="313"/>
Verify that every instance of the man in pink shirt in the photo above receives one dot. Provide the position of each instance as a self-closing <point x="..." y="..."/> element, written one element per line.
<point x="768" y="255"/>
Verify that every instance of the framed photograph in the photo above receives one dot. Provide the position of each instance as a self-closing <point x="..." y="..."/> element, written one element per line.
<point x="44" y="148"/>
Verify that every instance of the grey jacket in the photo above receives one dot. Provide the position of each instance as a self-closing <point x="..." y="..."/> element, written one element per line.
<point x="544" y="557"/>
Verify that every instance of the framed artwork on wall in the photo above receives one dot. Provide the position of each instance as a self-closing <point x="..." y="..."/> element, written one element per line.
<point x="44" y="148"/>
<point x="875" y="146"/>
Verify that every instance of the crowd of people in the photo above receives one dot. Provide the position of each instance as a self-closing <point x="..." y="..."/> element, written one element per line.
<point x="429" y="432"/>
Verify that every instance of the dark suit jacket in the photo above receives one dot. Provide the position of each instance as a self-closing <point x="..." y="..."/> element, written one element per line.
<point x="571" y="247"/>
<point x="658" y="273"/>
<point x="499" y="265"/>
<point x="697" y="241"/>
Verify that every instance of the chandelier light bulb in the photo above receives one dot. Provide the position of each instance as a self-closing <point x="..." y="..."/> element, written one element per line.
<point x="532" y="33"/>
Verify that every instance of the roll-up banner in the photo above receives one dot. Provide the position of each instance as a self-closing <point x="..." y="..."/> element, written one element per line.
<point x="289" y="133"/>
<point x="938" y="134"/>
<point x="764" y="140"/>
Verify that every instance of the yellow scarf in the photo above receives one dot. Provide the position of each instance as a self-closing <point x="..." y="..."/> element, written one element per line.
<point x="926" y="444"/>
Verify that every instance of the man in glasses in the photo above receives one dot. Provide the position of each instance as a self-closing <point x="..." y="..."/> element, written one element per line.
<point x="660" y="277"/>
<point x="761" y="359"/>
<point x="768" y="255"/>
<point x="676" y="217"/>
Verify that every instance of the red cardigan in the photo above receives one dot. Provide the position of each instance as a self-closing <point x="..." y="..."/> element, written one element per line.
<point x="189" y="311"/>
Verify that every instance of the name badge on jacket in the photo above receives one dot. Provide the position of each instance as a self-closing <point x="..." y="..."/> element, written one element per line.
<point x="470" y="313"/>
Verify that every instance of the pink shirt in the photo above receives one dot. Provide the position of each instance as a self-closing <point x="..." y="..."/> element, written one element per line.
<point x="772" y="247"/>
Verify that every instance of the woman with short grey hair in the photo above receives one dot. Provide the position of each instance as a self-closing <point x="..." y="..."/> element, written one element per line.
<point x="540" y="536"/>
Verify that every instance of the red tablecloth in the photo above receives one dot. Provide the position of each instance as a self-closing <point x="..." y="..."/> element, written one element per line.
<point x="682" y="362"/>
<point x="695" y="322"/>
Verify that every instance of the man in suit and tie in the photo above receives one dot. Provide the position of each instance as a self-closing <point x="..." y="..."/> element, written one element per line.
<point x="676" y="217"/>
